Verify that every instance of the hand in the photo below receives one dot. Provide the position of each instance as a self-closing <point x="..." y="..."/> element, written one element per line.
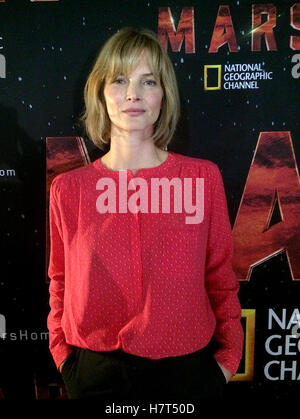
<point x="228" y="374"/>
<point x="61" y="365"/>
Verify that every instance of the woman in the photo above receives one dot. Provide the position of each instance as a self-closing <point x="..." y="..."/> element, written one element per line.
<point x="143" y="303"/>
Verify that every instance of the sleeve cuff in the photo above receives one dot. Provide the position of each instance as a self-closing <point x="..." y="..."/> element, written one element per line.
<point x="61" y="353"/>
<point x="228" y="361"/>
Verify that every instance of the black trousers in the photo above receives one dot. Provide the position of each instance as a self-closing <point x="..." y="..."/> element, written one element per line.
<point x="116" y="375"/>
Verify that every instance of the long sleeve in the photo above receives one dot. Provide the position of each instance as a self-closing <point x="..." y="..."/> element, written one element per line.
<point x="57" y="343"/>
<point x="221" y="283"/>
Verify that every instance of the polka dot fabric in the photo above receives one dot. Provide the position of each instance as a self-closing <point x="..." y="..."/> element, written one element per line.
<point x="147" y="283"/>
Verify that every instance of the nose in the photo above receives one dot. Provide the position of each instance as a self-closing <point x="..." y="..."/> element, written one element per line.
<point x="133" y="93"/>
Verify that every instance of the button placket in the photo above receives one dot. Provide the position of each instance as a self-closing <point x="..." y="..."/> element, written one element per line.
<point x="136" y="245"/>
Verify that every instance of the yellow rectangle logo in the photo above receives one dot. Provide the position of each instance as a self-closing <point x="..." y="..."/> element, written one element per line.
<point x="206" y="69"/>
<point x="247" y="374"/>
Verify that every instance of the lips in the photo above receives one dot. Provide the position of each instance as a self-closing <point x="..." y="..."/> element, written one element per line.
<point x="134" y="111"/>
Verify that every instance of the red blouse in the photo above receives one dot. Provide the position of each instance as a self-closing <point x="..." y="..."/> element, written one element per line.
<point x="147" y="283"/>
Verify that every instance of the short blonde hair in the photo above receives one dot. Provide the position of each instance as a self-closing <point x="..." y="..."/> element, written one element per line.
<point x="118" y="56"/>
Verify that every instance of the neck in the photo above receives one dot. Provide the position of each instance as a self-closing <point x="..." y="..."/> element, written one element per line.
<point x="133" y="153"/>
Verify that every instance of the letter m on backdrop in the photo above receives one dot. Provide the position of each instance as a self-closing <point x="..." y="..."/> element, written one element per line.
<point x="185" y="29"/>
<point x="268" y="218"/>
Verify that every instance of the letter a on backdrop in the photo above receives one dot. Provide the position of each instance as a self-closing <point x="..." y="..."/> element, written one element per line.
<point x="272" y="185"/>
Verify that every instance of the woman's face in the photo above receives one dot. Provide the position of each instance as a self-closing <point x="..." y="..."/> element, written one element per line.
<point x="134" y="101"/>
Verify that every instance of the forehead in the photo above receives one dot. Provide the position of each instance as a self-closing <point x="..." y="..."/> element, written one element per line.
<point x="142" y="66"/>
<point x="136" y="62"/>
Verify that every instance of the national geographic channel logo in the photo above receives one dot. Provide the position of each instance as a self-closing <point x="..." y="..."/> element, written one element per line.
<point x="235" y="76"/>
<point x="246" y="368"/>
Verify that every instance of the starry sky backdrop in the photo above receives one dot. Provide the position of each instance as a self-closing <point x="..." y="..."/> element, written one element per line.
<point x="49" y="48"/>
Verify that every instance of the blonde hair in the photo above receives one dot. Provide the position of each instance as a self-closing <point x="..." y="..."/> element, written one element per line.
<point x="118" y="56"/>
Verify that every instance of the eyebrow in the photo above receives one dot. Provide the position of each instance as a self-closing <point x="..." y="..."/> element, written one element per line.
<point x="145" y="74"/>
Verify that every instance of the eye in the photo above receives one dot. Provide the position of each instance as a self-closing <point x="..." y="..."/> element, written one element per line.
<point x="150" y="82"/>
<point x="119" y="80"/>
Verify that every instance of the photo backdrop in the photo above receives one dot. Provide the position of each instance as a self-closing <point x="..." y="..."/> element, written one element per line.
<point x="238" y="70"/>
